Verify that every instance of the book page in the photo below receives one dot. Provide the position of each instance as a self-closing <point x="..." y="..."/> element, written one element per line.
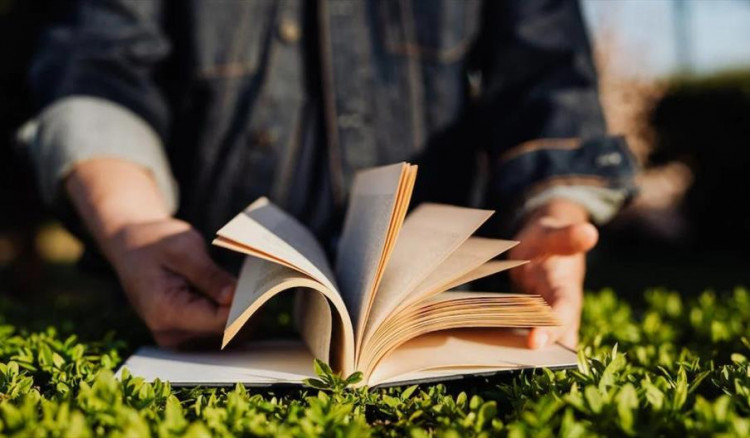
<point x="485" y="270"/>
<point x="260" y="363"/>
<point x="466" y="352"/>
<point x="430" y="234"/>
<point x="261" y="280"/>
<point x="473" y="253"/>
<point x="453" y="310"/>
<point x="377" y="206"/>
<point x="264" y="230"/>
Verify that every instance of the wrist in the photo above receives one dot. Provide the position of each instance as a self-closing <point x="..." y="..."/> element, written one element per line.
<point x="561" y="211"/>
<point x="112" y="194"/>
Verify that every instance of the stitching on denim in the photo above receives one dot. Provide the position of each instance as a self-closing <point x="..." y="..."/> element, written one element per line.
<point x="538" y="144"/>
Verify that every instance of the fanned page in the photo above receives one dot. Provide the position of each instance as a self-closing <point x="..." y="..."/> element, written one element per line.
<point x="377" y="206"/>
<point x="446" y="354"/>
<point x="261" y="280"/>
<point x="265" y="231"/>
<point x="286" y="256"/>
<point x="454" y="310"/>
<point x="431" y="233"/>
<point x="473" y="255"/>
<point x="435" y="252"/>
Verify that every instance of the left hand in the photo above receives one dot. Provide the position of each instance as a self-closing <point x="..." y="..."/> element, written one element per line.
<point x="555" y="239"/>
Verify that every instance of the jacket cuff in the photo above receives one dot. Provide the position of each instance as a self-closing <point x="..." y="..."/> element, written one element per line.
<point x="601" y="203"/>
<point x="80" y="128"/>
<point x="598" y="173"/>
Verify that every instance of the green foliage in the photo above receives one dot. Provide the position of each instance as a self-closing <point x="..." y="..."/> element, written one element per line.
<point x="675" y="367"/>
<point x="733" y="80"/>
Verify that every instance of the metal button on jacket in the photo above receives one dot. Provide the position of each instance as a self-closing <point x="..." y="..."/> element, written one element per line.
<point x="289" y="31"/>
<point x="263" y="138"/>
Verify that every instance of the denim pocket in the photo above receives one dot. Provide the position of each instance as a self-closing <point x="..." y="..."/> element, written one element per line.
<point x="437" y="30"/>
<point x="230" y="36"/>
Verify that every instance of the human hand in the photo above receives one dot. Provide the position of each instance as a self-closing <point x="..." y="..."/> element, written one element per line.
<point x="555" y="239"/>
<point x="171" y="281"/>
<point x="162" y="262"/>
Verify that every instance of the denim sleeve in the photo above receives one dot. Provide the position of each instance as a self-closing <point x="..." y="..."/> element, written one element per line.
<point x="80" y="128"/>
<point x="539" y="96"/>
<point x="93" y="78"/>
<point x="105" y="48"/>
<point x="596" y="173"/>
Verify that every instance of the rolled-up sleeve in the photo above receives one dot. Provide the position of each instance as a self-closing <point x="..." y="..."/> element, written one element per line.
<point x="81" y="128"/>
<point x="595" y="173"/>
<point x="540" y="99"/>
<point x="602" y="204"/>
<point x="93" y="78"/>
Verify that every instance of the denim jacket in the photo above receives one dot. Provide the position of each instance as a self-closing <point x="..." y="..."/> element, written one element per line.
<point x="496" y="100"/>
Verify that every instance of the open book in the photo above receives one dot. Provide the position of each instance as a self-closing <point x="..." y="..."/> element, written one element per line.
<point x="384" y="308"/>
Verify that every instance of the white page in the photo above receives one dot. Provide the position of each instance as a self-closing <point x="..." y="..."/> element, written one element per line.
<point x="487" y="269"/>
<point x="431" y="233"/>
<point x="264" y="229"/>
<point x="472" y="254"/>
<point x="256" y="364"/>
<point x="265" y="363"/>
<point x="456" y="310"/>
<point x="373" y="204"/>
<point x="261" y="280"/>
<point x="467" y="350"/>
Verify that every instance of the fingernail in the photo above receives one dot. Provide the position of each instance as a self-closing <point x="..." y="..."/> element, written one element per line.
<point x="226" y="294"/>
<point x="540" y="340"/>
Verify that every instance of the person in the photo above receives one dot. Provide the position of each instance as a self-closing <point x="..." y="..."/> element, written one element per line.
<point x="222" y="101"/>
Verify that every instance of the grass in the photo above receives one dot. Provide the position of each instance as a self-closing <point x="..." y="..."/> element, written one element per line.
<point x="675" y="366"/>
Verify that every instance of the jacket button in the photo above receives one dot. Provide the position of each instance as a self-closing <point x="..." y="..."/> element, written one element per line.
<point x="610" y="159"/>
<point x="289" y="31"/>
<point x="262" y="138"/>
<point x="350" y="121"/>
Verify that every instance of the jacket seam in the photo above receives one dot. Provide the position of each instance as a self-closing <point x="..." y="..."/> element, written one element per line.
<point x="332" y="139"/>
<point x="537" y="144"/>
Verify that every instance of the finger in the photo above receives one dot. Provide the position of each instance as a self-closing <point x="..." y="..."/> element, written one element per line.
<point x="570" y="339"/>
<point x="187" y="341"/>
<point x="171" y="338"/>
<point x="567" y="240"/>
<point x="196" y="314"/>
<point x="538" y="338"/>
<point x="567" y="308"/>
<point x="194" y="342"/>
<point x="203" y="274"/>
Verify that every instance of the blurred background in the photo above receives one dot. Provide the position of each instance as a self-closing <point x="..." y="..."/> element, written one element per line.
<point x="674" y="78"/>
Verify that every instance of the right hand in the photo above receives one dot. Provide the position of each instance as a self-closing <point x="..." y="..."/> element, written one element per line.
<point x="162" y="262"/>
<point x="171" y="281"/>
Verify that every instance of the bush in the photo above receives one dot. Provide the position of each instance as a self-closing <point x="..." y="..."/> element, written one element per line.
<point x="677" y="367"/>
<point x="705" y="123"/>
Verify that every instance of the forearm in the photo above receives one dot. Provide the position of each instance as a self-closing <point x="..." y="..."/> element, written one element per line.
<point x="162" y="263"/>
<point x="110" y="194"/>
<point x="81" y="129"/>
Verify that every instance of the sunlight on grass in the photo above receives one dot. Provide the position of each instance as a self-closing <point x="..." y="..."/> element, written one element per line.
<point x="56" y="245"/>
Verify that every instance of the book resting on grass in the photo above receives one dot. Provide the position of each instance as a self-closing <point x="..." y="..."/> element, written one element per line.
<point x="385" y="307"/>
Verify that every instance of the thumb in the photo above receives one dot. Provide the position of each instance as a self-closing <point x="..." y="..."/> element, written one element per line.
<point x="197" y="315"/>
<point x="567" y="308"/>
<point x="568" y="239"/>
